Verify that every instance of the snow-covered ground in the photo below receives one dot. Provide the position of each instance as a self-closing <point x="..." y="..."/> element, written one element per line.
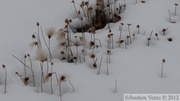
<point x="136" y="69"/>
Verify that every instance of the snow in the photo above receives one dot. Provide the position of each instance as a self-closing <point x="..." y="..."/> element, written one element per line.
<point x="136" y="69"/>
